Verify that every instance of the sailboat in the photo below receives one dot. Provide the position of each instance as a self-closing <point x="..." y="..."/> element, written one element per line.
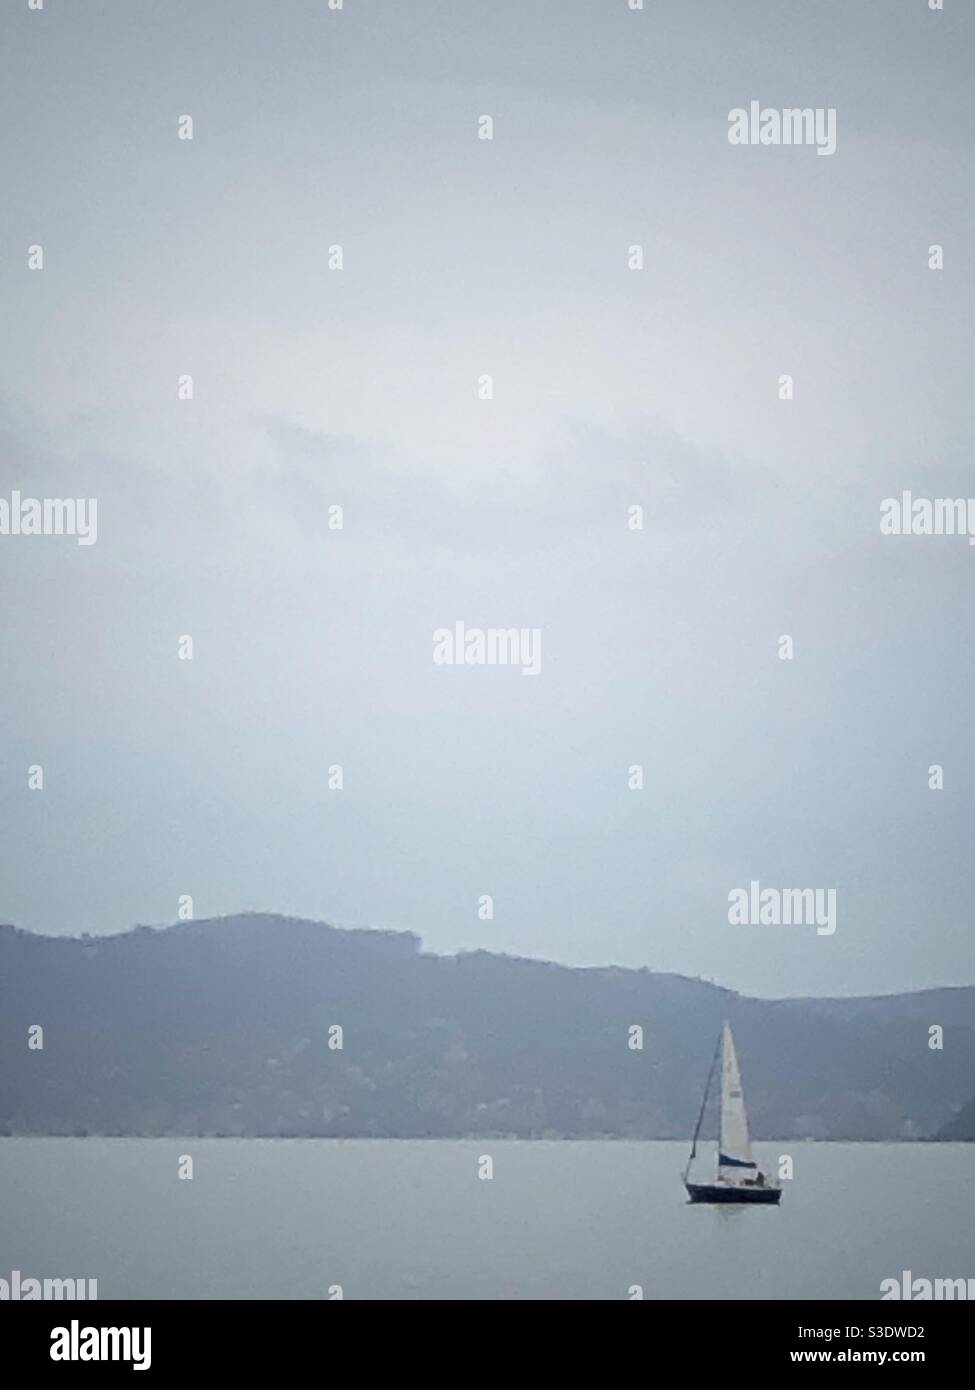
<point x="739" y="1177"/>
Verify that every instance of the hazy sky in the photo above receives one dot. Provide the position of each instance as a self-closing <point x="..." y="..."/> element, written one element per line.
<point x="359" y="387"/>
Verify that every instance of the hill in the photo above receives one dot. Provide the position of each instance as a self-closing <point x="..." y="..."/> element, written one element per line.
<point x="962" y="1125"/>
<point x="222" y="1027"/>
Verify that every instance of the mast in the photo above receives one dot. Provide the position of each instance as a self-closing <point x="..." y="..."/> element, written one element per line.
<point x="700" y="1118"/>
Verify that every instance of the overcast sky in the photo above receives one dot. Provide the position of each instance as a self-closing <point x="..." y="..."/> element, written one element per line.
<point x="612" y="387"/>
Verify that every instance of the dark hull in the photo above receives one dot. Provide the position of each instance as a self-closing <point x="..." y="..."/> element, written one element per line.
<point x="722" y="1192"/>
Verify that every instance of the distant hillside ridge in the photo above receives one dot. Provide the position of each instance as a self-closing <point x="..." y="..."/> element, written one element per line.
<point x="962" y="1125"/>
<point x="230" y="1027"/>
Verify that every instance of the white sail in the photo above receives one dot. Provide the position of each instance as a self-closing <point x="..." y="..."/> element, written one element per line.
<point x="735" y="1161"/>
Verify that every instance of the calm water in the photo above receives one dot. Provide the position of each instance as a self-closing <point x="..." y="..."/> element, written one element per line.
<point x="400" y="1219"/>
